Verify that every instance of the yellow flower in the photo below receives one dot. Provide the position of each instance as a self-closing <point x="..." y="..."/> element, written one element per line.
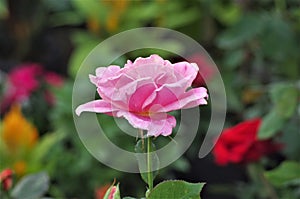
<point x="18" y="133"/>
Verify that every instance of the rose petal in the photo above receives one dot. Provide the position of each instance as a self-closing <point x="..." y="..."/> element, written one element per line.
<point x="162" y="126"/>
<point x="98" y="106"/>
<point x="192" y="98"/>
<point x="137" y="121"/>
<point x="153" y="59"/>
<point x="166" y="94"/>
<point x="155" y="125"/>
<point x="140" y="97"/>
<point x="187" y="71"/>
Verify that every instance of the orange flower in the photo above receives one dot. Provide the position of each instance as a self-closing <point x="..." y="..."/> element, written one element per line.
<point x="20" y="168"/>
<point x="18" y="133"/>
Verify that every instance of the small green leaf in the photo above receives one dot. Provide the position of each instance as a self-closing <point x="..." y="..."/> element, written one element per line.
<point x="45" y="146"/>
<point x="141" y="150"/>
<point x="285" y="97"/>
<point x="31" y="187"/>
<point x="286" y="172"/>
<point x="271" y="124"/>
<point x="174" y="189"/>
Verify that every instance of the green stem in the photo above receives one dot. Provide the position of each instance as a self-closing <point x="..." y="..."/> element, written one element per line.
<point x="149" y="163"/>
<point x="256" y="173"/>
<point x="271" y="192"/>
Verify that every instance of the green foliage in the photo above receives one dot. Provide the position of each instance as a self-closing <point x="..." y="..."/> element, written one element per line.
<point x="43" y="150"/>
<point x="271" y="125"/>
<point x="290" y="139"/>
<point x="84" y="44"/>
<point x="177" y="18"/>
<point x="260" y="53"/>
<point x="286" y="179"/>
<point x="31" y="187"/>
<point x="141" y="148"/>
<point x="81" y="165"/>
<point x="284" y="174"/>
<point x="226" y="13"/>
<point x="240" y="33"/>
<point x="285" y="98"/>
<point x="176" y="189"/>
<point x="171" y="189"/>
<point x="3" y="9"/>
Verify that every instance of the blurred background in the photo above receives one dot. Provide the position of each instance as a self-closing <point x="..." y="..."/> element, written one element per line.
<point x="254" y="43"/>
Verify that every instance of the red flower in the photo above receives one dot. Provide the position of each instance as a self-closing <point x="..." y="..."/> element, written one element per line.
<point x="6" y="179"/>
<point x="239" y="144"/>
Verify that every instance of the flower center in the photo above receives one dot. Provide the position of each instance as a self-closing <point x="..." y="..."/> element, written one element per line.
<point x="145" y="113"/>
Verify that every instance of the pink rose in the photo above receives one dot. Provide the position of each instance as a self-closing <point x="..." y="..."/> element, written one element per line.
<point x="144" y="91"/>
